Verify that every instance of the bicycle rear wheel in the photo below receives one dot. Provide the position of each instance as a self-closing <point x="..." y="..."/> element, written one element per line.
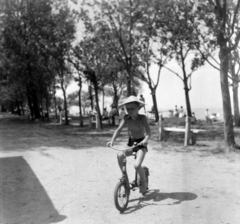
<point x="146" y="171"/>
<point x="121" y="196"/>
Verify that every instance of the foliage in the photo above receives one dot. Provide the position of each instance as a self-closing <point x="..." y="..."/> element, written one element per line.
<point x="222" y="18"/>
<point x="31" y="37"/>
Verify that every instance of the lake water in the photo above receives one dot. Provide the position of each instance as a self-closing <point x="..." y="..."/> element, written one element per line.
<point x="200" y="112"/>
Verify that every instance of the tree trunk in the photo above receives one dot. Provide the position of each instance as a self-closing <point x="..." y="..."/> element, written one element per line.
<point x="30" y="104"/>
<point x="153" y="92"/>
<point x="80" y="105"/>
<point x="236" y="105"/>
<point x="55" y="105"/>
<point x="103" y="96"/>
<point x="129" y="82"/>
<point x="41" y="110"/>
<point x="90" y="95"/>
<point x="97" y="105"/>
<point x="65" y="105"/>
<point x="188" y="105"/>
<point x="35" y="105"/>
<point x="227" y="111"/>
<point x="18" y="108"/>
<point x="22" y="108"/>
<point x="47" y="106"/>
<point x="12" y="107"/>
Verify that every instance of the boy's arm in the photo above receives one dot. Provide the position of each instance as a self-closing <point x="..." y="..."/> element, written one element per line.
<point x="148" y="131"/>
<point x="117" y="132"/>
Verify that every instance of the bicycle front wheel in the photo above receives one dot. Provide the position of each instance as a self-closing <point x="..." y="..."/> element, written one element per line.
<point x="121" y="196"/>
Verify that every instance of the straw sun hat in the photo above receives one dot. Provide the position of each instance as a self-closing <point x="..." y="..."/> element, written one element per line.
<point x="131" y="99"/>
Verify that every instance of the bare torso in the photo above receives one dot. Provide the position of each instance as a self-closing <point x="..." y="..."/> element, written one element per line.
<point x="136" y="126"/>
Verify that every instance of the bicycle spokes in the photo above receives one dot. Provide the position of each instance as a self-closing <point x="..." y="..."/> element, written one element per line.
<point x="121" y="196"/>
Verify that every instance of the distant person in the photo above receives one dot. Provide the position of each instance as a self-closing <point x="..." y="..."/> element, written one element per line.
<point x="208" y="120"/>
<point x="60" y="113"/>
<point x="206" y="114"/>
<point x="181" y="112"/>
<point x="193" y="118"/>
<point x="213" y="117"/>
<point x="175" y="113"/>
<point x="59" y="108"/>
<point x="112" y="115"/>
<point x="105" y="114"/>
<point x="143" y="100"/>
<point x="95" y="110"/>
<point x="170" y="113"/>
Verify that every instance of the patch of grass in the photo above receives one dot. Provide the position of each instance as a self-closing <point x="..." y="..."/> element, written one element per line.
<point x="219" y="149"/>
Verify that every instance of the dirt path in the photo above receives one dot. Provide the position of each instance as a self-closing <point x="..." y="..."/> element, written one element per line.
<point x="58" y="174"/>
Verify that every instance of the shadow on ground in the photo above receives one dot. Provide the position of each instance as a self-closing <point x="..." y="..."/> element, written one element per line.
<point x="40" y="135"/>
<point x="23" y="195"/>
<point x="153" y="197"/>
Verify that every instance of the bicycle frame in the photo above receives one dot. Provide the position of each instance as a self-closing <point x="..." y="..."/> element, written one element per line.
<point x="124" y="187"/>
<point x="134" y="184"/>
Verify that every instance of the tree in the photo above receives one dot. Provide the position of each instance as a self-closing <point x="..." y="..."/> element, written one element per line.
<point x="222" y="18"/>
<point x="75" y="57"/>
<point x="234" y="70"/>
<point x="152" y="49"/>
<point x="63" y="37"/>
<point x="116" y="84"/>
<point x="118" y="20"/>
<point x="179" y="32"/>
<point x="23" y="25"/>
<point x="209" y="49"/>
<point x="129" y="26"/>
<point x="96" y="56"/>
<point x="29" y="34"/>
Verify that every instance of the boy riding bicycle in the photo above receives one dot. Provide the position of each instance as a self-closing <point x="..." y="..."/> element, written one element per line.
<point x="139" y="132"/>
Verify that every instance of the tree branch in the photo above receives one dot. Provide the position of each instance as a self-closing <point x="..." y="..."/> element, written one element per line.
<point x="237" y="38"/>
<point x="173" y="72"/>
<point x="234" y="17"/>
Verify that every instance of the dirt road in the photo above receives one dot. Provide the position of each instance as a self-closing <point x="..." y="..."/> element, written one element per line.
<point x="58" y="174"/>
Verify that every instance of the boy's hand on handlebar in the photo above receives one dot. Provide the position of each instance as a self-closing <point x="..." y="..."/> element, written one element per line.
<point x="143" y="143"/>
<point x="109" y="144"/>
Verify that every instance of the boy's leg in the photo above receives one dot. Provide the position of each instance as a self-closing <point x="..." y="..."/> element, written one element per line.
<point x="121" y="156"/>
<point x="138" y="166"/>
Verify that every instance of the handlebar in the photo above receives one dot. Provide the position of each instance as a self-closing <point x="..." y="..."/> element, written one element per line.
<point x="117" y="149"/>
<point x="127" y="148"/>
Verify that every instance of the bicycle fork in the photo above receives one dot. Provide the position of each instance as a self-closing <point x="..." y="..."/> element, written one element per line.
<point x="124" y="171"/>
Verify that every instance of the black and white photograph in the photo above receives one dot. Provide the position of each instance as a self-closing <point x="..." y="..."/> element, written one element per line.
<point x="119" y="111"/>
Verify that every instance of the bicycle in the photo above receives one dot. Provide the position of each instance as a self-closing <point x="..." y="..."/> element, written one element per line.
<point x="123" y="187"/>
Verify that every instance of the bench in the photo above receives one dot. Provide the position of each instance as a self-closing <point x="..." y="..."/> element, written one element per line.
<point x="192" y="137"/>
<point x="190" y="133"/>
<point x="69" y="118"/>
<point x="93" y="119"/>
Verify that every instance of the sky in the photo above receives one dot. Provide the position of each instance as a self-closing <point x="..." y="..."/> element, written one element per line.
<point x="205" y="92"/>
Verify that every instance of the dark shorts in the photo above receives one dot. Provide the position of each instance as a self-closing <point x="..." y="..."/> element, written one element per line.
<point x="132" y="141"/>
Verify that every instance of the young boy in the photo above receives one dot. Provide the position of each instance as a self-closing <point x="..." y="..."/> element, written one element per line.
<point x="139" y="131"/>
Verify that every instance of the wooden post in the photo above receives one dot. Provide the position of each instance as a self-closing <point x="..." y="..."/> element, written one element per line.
<point x="97" y="121"/>
<point x="193" y="138"/>
<point x="187" y="131"/>
<point x="90" y="121"/>
<point x="60" y="117"/>
<point x="161" y="128"/>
